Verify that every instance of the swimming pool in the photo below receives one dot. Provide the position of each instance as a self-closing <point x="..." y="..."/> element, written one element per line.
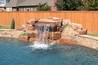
<point x="15" y="52"/>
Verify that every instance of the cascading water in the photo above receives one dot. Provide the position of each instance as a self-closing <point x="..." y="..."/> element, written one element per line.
<point x="43" y="33"/>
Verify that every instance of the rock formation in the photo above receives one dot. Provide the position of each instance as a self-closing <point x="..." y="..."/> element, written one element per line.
<point x="61" y="30"/>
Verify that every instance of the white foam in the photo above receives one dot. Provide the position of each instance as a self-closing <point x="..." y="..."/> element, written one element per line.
<point x="38" y="45"/>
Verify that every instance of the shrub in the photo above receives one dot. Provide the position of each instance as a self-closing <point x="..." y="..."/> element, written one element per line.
<point x="43" y="7"/>
<point x="12" y="24"/>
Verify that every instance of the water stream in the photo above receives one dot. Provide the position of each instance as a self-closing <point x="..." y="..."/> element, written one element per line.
<point x="43" y="33"/>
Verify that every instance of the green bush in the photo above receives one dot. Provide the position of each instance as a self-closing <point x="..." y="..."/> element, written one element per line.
<point x="12" y="24"/>
<point x="44" y="7"/>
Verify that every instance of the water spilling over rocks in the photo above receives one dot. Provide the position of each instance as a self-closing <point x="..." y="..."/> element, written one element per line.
<point x="43" y="31"/>
<point x="52" y="29"/>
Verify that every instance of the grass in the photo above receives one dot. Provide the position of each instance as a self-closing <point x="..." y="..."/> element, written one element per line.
<point x="93" y="34"/>
<point x="23" y="34"/>
<point x="4" y="27"/>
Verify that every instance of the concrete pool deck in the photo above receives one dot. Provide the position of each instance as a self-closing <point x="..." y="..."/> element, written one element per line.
<point x="90" y="37"/>
<point x="9" y="33"/>
<point x="88" y="41"/>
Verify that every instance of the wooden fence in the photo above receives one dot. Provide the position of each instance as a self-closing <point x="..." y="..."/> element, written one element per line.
<point x="89" y="19"/>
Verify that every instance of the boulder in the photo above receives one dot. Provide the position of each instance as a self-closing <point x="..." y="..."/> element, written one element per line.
<point x="32" y="21"/>
<point x="55" y="18"/>
<point x="32" y="35"/>
<point x="82" y="31"/>
<point x="76" y="26"/>
<point x="32" y="39"/>
<point x="20" y="28"/>
<point x="50" y="21"/>
<point x="46" y="21"/>
<point x="29" y="27"/>
<point x="66" y="21"/>
<point x="58" y="21"/>
<point x="69" y="31"/>
<point x="79" y="29"/>
<point x="66" y="41"/>
<point x="23" y="38"/>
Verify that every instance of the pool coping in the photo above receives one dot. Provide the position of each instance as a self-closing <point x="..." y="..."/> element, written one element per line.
<point x="89" y="37"/>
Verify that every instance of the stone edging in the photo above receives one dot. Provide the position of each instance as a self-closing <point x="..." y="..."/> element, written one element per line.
<point x="89" y="37"/>
<point x="88" y="41"/>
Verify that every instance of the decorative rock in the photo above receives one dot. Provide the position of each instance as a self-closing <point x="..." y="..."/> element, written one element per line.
<point x="29" y="27"/>
<point x="31" y="35"/>
<point x="20" y="28"/>
<point x="66" y="21"/>
<point x="50" y="21"/>
<point x="68" y="31"/>
<point x="32" y="39"/>
<point x="76" y="26"/>
<point x="32" y="21"/>
<point x="23" y="38"/>
<point x="82" y="31"/>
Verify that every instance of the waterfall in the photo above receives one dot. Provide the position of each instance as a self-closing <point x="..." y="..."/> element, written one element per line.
<point x="42" y="36"/>
<point x="43" y="32"/>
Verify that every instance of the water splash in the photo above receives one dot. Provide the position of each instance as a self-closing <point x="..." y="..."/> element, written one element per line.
<point x="43" y="33"/>
<point x="38" y="45"/>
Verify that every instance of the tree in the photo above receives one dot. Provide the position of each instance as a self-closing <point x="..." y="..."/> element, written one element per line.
<point x="94" y="5"/>
<point x="60" y="4"/>
<point x="43" y="7"/>
<point x="77" y="4"/>
<point x="68" y="4"/>
<point x="90" y="5"/>
<point x="12" y="24"/>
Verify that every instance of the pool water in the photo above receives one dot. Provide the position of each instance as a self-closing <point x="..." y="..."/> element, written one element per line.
<point x="15" y="52"/>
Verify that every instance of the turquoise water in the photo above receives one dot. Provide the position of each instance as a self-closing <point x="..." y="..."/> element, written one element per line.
<point x="15" y="52"/>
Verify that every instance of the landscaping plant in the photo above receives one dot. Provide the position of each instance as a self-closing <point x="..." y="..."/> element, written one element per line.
<point x="43" y="7"/>
<point x="12" y="24"/>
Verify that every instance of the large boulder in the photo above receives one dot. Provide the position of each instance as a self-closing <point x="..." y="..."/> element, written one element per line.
<point x="31" y="35"/>
<point x="79" y="29"/>
<point x="23" y="38"/>
<point x="76" y="26"/>
<point x="69" y="31"/>
<point x="51" y="21"/>
<point x="66" y="22"/>
<point x="32" y="21"/>
<point x="82" y="31"/>
<point x="32" y="39"/>
<point x="29" y="27"/>
<point x="20" y="28"/>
